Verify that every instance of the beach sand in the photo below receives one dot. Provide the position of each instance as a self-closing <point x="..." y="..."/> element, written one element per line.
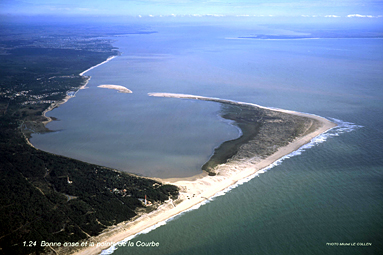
<point x="106" y="61"/>
<point x="63" y="101"/>
<point x="195" y="190"/>
<point x="119" y="88"/>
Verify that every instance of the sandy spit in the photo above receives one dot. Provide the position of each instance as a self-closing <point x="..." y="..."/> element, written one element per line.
<point x="107" y="60"/>
<point x="119" y="88"/>
<point x="195" y="190"/>
<point x="63" y="101"/>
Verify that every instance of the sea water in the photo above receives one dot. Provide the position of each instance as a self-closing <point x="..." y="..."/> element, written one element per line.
<point x="324" y="199"/>
<point x="156" y="137"/>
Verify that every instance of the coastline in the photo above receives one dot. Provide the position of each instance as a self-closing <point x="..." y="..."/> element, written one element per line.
<point x="197" y="189"/>
<point x="65" y="99"/>
<point x="107" y="60"/>
<point x="119" y="88"/>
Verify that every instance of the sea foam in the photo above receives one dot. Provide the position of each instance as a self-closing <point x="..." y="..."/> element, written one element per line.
<point x="342" y="127"/>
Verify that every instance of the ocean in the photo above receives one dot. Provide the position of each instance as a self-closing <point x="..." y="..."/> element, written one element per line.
<point x="326" y="198"/>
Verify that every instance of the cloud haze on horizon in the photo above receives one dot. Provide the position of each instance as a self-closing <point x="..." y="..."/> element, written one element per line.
<point x="158" y="8"/>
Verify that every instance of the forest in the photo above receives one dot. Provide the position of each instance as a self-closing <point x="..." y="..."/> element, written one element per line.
<point x="46" y="197"/>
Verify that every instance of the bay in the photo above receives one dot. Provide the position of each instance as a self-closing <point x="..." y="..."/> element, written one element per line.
<point x="310" y="203"/>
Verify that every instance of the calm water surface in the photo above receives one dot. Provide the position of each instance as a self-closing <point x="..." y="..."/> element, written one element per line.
<point x="330" y="193"/>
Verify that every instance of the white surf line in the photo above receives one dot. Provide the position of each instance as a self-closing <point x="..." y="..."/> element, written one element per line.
<point x="63" y="101"/>
<point x="204" y="189"/>
<point x="107" y="60"/>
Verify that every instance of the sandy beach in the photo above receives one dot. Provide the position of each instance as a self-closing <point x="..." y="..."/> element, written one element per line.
<point x="63" y="101"/>
<point x="195" y="190"/>
<point x="119" y="88"/>
<point x="107" y="60"/>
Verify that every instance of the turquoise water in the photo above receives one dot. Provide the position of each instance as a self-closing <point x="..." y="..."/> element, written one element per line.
<point x="310" y="203"/>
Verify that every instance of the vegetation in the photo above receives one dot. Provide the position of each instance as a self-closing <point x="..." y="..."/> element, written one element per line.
<point x="248" y="119"/>
<point x="263" y="132"/>
<point x="45" y="197"/>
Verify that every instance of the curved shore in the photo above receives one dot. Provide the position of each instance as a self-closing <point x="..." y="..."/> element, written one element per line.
<point x="119" y="88"/>
<point x="197" y="189"/>
<point x="63" y="101"/>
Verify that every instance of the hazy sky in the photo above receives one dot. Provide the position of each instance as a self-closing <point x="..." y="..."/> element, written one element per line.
<point x="331" y="8"/>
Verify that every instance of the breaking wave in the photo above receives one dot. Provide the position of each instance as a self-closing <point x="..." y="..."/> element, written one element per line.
<point x="342" y="127"/>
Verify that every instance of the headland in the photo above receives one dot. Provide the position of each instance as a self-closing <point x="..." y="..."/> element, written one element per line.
<point x="267" y="135"/>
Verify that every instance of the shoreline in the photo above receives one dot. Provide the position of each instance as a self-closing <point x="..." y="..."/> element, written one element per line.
<point x="66" y="98"/>
<point x="197" y="189"/>
<point x="119" y="88"/>
<point x="107" y="60"/>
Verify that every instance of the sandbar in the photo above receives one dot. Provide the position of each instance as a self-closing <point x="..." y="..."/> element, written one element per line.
<point x="67" y="97"/>
<point x="119" y="88"/>
<point x="197" y="189"/>
<point x="106" y="61"/>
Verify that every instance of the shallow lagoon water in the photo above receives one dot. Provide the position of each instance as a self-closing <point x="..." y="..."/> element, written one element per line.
<point x="331" y="193"/>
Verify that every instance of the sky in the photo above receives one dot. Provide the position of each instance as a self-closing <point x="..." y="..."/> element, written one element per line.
<point x="353" y="9"/>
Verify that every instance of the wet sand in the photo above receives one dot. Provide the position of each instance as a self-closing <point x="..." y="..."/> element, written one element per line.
<point x="119" y="88"/>
<point x="194" y="190"/>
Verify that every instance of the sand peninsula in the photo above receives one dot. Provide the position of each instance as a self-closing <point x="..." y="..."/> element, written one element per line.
<point x="267" y="136"/>
<point x="119" y="88"/>
<point x="68" y="96"/>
